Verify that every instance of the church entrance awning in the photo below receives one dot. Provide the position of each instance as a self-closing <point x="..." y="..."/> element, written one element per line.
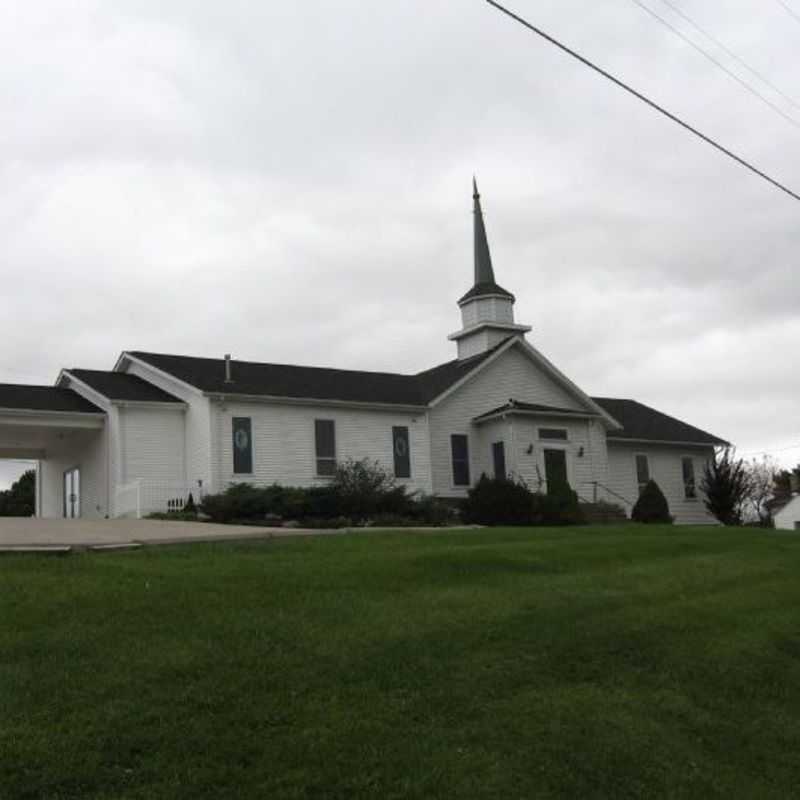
<point x="33" y="418"/>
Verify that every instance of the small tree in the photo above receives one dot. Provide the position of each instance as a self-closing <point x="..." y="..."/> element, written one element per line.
<point x="364" y="487"/>
<point x="760" y="487"/>
<point x="725" y="486"/>
<point x="652" y="506"/>
<point x="782" y="484"/>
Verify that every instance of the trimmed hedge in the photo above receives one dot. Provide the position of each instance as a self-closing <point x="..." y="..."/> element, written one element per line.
<point x="652" y="506"/>
<point x="359" y="493"/>
<point x="500" y="501"/>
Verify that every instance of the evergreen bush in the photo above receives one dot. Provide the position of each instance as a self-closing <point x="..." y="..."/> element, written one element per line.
<point x="652" y="506"/>
<point x="498" y="501"/>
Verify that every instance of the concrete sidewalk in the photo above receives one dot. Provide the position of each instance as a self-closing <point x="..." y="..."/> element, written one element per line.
<point x="24" y="533"/>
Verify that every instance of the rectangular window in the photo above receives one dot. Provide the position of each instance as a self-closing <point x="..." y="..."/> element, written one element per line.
<point x="402" y="452"/>
<point x="642" y="471"/>
<point x="325" y="437"/>
<point x="459" y="448"/>
<point x="242" y="445"/>
<point x="689" y="488"/>
<point x="499" y="458"/>
<point x="553" y="433"/>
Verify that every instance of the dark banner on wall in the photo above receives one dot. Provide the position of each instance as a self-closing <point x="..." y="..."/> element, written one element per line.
<point x="242" y="445"/>
<point x="402" y="457"/>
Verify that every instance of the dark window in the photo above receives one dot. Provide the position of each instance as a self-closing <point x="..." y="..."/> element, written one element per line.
<point x="553" y="433"/>
<point x="402" y="453"/>
<point x="555" y="469"/>
<point x="459" y="447"/>
<point x="689" y="488"/>
<point x="642" y="471"/>
<point x="325" y="435"/>
<point x="242" y="445"/>
<point x="499" y="458"/>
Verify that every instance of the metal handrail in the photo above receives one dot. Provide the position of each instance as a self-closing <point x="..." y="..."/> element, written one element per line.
<point x="597" y="484"/>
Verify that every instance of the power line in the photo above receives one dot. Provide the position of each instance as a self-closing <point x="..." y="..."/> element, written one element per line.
<point x="789" y="10"/>
<point x="683" y="15"/>
<point x="717" y="63"/>
<point x="642" y="97"/>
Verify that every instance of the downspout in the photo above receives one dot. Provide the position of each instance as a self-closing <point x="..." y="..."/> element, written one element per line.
<point x="512" y="447"/>
<point x="109" y="510"/>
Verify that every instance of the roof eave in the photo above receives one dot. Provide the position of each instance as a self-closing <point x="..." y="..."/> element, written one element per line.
<point x="674" y="442"/>
<point x="227" y="397"/>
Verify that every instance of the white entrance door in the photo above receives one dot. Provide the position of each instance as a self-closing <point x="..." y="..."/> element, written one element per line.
<point x="72" y="493"/>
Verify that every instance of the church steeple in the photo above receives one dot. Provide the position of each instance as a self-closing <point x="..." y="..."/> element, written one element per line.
<point x="483" y="258"/>
<point x="484" y="272"/>
<point x="487" y="309"/>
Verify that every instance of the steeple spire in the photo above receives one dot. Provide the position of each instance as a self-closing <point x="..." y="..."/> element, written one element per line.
<point x="483" y="258"/>
<point x="487" y="310"/>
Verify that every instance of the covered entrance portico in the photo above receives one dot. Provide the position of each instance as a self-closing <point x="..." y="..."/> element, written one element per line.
<point x="64" y="435"/>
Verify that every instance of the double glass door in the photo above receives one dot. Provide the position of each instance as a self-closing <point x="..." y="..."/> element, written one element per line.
<point x="72" y="493"/>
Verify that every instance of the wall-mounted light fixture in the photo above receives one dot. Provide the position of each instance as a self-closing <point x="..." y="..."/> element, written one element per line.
<point x="530" y="449"/>
<point x="580" y="452"/>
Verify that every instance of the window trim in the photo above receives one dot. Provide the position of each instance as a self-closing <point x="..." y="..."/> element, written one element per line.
<point x="234" y="473"/>
<point x="318" y="458"/>
<point x="686" y="497"/>
<point x="640" y="486"/>
<point x="541" y="438"/>
<point x="453" y="483"/>
<point x="394" y="463"/>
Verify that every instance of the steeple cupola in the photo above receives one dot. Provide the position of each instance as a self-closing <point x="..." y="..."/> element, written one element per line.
<point x="487" y="309"/>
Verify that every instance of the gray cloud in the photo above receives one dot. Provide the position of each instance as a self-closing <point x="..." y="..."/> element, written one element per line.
<point x="291" y="183"/>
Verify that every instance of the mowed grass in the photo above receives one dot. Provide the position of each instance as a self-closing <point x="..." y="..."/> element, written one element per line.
<point x="576" y="663"/>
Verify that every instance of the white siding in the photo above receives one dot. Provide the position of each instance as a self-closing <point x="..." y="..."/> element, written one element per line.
<point x="87" y="451"/>
<point x="666" y="470"/>
<point x="152" y="444"/>
<point x="788" y="518"/>
<point x="284" y="445"/>
<point x="489" y="309"/>
<point x="196" y="425"/>
<point x="511" y="375"/>
<point x="585" y="449"/>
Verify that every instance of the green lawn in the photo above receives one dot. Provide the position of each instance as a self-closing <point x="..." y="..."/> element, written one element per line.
<point x="577" y="663"/>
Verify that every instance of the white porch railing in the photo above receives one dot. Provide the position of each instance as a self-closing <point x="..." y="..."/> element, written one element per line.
<point x="139" y="498"/>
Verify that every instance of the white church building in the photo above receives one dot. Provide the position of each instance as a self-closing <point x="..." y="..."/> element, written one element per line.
<point x="156" y="427"/>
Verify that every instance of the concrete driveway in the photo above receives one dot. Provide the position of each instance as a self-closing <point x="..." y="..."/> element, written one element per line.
<point x="44" y="534"/>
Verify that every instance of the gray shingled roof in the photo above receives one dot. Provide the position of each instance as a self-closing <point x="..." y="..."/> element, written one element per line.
<point x="318" y="383"/>
<point x="44" y="398"/>
<point x="290" y="381"/>
<point x="121" y="386"/>
<point x="644" y="423"/>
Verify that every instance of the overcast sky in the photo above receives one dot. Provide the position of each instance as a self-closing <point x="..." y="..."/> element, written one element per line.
<point x="290" y="182"/>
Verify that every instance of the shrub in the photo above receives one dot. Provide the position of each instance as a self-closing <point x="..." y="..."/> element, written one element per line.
<point x="431" y="510"/>
<point x="725" y="486"/>
<point x="651" y="506"/>
<point x="558" y="507"/>
<point x="239" y="501"/>
<point x="174" y="516"/>
<point x="364" y="488"/>
<point x="190" y="507"/>
<point x="498" y="501"/>
<point x="603" y="513"/>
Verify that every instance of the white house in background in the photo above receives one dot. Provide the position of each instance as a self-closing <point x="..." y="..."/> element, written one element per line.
<point x="156" y="427"/>
<point x="788" y="516"/>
